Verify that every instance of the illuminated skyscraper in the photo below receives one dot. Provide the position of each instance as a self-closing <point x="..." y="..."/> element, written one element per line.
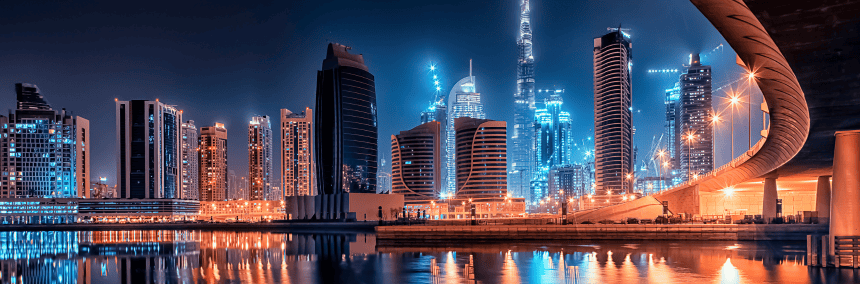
<point x="190" y="162"/>
<point x="696" y="155"/>
<point x="260" y="171"/>
<point x="149" y="142"/>
<point x="463" y="101"/>
<point x="613" y="131"/>
<point x="43" y="152"/>
<point x="522" y="157"/>
<point x="297" y="153"/>
<point x="213" y="163"/>
<point x="438" y="111"/>
<point x="669" y="164"/>
<point x="552" y="143"/>
<point x="416" y="162"/>
<point x="481" y="159"/>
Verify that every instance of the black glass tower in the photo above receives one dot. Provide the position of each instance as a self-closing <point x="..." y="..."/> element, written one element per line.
<point x="345" y="129"/>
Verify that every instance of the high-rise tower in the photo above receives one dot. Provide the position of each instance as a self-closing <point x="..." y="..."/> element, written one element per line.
<point x="522" y="162"/>
<point x="190" y="162"/>
<point x="297" y="153"/>
<point x="552" y="143"/>
<point x="669" y="162"/>
<point x="260" y="171"/>
<point x="613" y="131"/>
<point x="149" y="143"/>
<point x="213" y="163"/>
<point x="463" y="101"/>
<point x="696" y="131"/>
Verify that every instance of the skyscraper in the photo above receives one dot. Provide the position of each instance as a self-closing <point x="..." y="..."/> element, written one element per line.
<point x="613" y="131"/>
<point x="213" y="163"/>
<point x="297" y="153"/>
<point x="669" y="163"/>
<point x="416" y="162"/>
<point x="481" y="159"/>
<point x="522" y="159"/>
<point x="149" y="143"/>
<point x="463" y="101"/>
<point x="260" y="171"/>
<point x="190" y="162"/>
<point x="697" y="154"/>
<point x="345" y="128"/>
<point x="44" y="153"/>
<point x="552" y="143"/>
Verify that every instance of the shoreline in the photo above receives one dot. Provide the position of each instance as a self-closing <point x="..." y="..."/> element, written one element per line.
<point x="310" y="227"/>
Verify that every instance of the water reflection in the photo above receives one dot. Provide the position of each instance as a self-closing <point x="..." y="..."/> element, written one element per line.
<point x="270" y="257"/>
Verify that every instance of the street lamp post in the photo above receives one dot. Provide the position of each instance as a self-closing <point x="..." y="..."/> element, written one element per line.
<point x="690" y="138"/>
<point x="734" y="101"/>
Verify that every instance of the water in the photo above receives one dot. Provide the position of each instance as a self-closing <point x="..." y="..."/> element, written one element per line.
<point x="272" y="257"/>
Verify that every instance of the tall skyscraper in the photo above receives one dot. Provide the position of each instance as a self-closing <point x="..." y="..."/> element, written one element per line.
<point x="613" y="131"/>
<point x="522" y="159"/>
<point x="150" y="151"/>
<point x="552" y="143"/>
<point x="669" y="163"/>
<point x="345" y="126"/>
<point x="213" y="163"/>
<point x="44" y="153"/>
<point x="463" y="101"/>
<point x="416" y="162"/>
<point x="190" y="162"/>
<point x="697" y="155"/>
<point x="481" y="159"/>
<point x="297" y="153"/>
<point x="260" y="171"/>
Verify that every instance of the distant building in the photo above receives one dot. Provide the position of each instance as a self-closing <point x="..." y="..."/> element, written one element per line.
<point x="463" y="101"/>
<point x="613" y="125"/>
<point x="481" y="159"/>
<point x="522" y="138"/>
<point x="213" y="163"/>
<point x="190" y="162"/>
<point x="345" y="126"/>
<point x="44" y="153"/>
<point x="297" y="153"/>
<point x="260" y="170"/>
<point x="149" y="149"/>
<point x="552" y="143"/>
<point x="696" y="112"/>
<point x="416" y="162"/>
<point x="670" y="162"/>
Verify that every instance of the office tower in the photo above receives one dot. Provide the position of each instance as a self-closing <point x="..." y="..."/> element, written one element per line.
<point x="522" y="158"/>
<point x="696" y="154"/>
<point x="613" y="95"/>
<point x="463" y="101"/>
<point x="297" y="153"/>
<point x="416" y="162"/>
<point x="213" y="163"/>
<point x="568" y="181"/>
<point x="481" y="159"/>
<point x="345" y="129"/>
<point x="669" y="162"/>
<point x="43" y="152"/>
<point x="190" y="162"/>
<point x="260" y="171"/>
<point x="149" y="149"/>
<point x="552" y="143"/>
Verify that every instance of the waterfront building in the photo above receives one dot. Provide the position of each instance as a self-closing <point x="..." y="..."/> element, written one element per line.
<point x="552" y="143"/>
<point x="613" y="130"/>
<point x="669" y="163"/>
<point x="190" y="162"/>
<point x="149" y="149"/>
<point x="416" y="162"/>
<point x="696" y="111"/>
<point x="522" y="139"/>
<point x="297" y="153"/>
<point x="44" y="153"/>
<point x="481" y="159"/>
<point x="260" y="171"/>
<point x="345" y="126"/>
<point x="213" y="163"/>
<point x="463" y="101"/>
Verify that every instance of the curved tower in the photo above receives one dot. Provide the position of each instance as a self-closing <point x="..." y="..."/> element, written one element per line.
<point x="524" y="108"/>
<point x="481" y="159"/>
<point x="416" y="166"/>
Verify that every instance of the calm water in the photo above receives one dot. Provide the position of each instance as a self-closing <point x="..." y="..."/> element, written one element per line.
<point x="266" y="257"/>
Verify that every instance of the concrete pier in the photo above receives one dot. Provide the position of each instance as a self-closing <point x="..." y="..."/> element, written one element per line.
<point x="822" y="199"/>
<point x="845" y="195"/>
<point x="769" y="200"/>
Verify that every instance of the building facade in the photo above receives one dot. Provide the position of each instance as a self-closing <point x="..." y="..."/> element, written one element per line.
<point x="695" y="120"/>
<point x="522" y="140"/>
<point x="345" y="126"/>
<point x="481" y="159"/>
<point x="463" y="101"/>
<point x="669" y="162"/>
<point x="44" y="153"/>
<point x="190" y="162"/>
<point x="416" y="162"/>
<point x="297" y="153"/>
<point x="260" y="170"/>
<point x="149" y="149"/>
<point x="213" y="163"/>
<point x="613" y="125"/>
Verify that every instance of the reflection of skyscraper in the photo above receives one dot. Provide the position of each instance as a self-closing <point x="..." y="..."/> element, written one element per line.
<point x="463" y="101"/>
<point x="481" y="159"/>
<point x="524" y="107"/>
<point x="345" y="126"/>
<point x="150" y="144"/>
<point x="259" y="158"/>
<point x="695" y="119"/>
<point x="213" y="163"/>
<point x="190" y="162"/>
<point x="297" y="153"/>
<point x="416" y="162"/>
<point x="613" y="131"/>
<point x="552" y="143"/>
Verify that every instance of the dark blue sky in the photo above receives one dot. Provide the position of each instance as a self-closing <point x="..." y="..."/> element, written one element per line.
<point x="225" y="62"/>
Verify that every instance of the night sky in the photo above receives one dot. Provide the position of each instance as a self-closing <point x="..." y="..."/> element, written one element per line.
<point x="227" y="62"/>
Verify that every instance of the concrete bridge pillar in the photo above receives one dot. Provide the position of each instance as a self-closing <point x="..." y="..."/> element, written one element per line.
<point x="845" y="195"/>
<point x="768" y="208"/>
<point x="822" y="199"/>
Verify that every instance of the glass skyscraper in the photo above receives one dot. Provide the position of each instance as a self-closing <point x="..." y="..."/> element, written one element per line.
<point x="149" y="149"/>
<point x="522" y="159"/>
<point x="669" y="163"/>
<point x="552" y="143"/>
<point x="463" y="101"/>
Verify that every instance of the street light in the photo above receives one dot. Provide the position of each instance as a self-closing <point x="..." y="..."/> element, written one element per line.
<point x="716" y="119"/>
<point x="734" y="99"/>
<point x="749" y="106"/>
